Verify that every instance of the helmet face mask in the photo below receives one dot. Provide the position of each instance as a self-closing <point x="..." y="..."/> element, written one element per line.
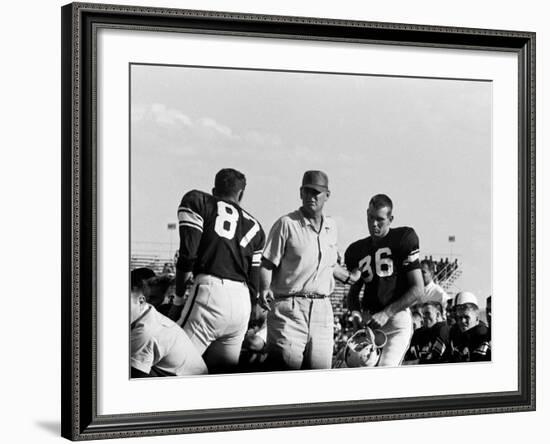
<point x="363" y="348"/>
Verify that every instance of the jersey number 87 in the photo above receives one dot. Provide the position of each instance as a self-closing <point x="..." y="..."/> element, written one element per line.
<point x="227" y="221"/>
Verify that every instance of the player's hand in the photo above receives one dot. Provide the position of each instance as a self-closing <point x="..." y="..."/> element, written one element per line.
<point x="378" y="320"/>
<point x="265" y="299"/>
<point x="183" y="280"/>
<point x="356" y="320"/>
<point x="340" y="273"/>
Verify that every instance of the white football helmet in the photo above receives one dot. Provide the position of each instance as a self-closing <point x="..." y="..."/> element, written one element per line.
<point x="364" y="347"/>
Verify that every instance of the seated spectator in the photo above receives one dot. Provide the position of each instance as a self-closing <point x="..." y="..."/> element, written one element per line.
<point x="429" y="344"/>
<point x="450" y="316"/>
<point x="469" y="337"/>
<point x="168" y="268"/>
<point x="160" y="291"/>
<point x="158" y="346"/>
<point x="337" y="326"/>
<point x="432" y="291"/>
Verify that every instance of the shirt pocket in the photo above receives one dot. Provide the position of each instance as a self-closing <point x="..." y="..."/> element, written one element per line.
<point x="330" y="252"/>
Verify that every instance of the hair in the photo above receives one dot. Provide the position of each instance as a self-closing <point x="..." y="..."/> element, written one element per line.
<point x="429" y="264"/>
<point x="139" y="275"/>
<point x="381" y="201"/>
<point x="162" y="282"/>
<point x="468" y="306"/>
<point x="434" y="304"/>
<point x="229" y="182"/>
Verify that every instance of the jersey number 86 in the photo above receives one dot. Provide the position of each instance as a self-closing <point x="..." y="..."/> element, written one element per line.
<point x="383" y="264"/>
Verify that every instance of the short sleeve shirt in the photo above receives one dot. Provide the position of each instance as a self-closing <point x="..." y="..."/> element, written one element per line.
<point x="304" y="258"/>
<point x="434" y="293"/>
<point x="158" y="343"/>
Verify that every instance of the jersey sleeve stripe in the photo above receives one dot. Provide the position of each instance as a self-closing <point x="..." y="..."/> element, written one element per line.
<point x="191" y="225"/>
<point x="412" y="258"/>
<point x="482" y="349"/>
<point x="187" y="215"/>
<point x="256" y="259"/>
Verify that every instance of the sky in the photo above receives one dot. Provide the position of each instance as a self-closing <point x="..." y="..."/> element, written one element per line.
<point x="424" y="142"/>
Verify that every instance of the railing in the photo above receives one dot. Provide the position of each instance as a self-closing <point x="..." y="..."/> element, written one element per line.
<point x="445" y="276"/>
<point x="155" y="262"/>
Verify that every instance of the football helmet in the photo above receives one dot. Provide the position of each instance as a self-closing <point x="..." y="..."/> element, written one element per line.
<point x="364" y="347"/>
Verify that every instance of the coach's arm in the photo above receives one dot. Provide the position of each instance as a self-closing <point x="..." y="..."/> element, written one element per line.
<point x="410" y="297"/>
<point x="265" y="296"/>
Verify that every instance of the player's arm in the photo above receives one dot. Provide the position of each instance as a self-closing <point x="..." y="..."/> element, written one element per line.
<point x="440" y="346"/>
<point x="410" y="262"/>
<point x="191" y="224"/>
<point x="345" y="276"/>
<point x="482" y="351"/>
<point x="411" y="296"/>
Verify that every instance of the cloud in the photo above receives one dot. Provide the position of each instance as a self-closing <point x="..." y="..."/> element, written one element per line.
<point x="164" y="116"/>
<point x="257" y="138"/>
<point x="169" y="116"/>
<point x="210" y="123"/>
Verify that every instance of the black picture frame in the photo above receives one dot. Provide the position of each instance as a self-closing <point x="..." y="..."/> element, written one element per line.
<point x="80" y="420"/>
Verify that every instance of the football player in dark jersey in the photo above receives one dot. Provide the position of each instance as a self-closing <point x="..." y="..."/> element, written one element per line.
<point x="470" y="338"/>
<point x="430" y="343"/>
<point x="390" y="269"/>
<point x="220" y="247"/>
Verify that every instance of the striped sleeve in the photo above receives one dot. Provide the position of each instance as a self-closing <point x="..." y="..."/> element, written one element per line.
<point x="191" y="213"/>
<point x="257" y="258"/>
<point x="482" y="352"/>
<point x="189" y="218"/>
<point x="410" y="250"/>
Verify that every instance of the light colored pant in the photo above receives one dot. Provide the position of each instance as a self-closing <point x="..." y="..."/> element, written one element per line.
<point x="300" y="333"/>
<point x="215" y="318"/>
<point x="398" y="330"/>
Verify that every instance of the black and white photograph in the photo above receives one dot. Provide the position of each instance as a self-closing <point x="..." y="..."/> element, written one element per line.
<point x="297" y="220"/>
<point x="276" y="221"/>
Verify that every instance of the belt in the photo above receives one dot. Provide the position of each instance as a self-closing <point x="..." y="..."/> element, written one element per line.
<point x="307" y="295"/>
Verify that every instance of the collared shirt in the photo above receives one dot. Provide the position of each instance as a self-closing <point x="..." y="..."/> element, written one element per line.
<point x="434" y="293"/>
<point x="304" y="258"/>
<point x="158" y="342"/>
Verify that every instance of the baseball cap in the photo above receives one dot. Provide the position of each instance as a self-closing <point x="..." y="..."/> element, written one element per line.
<point x="465" y="297"/>
<point x="316" y="180"/>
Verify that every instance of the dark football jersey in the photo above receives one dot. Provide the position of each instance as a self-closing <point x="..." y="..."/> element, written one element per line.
<point x="219" y="238"/>
<point x="471" y="345"/>
<point x="430" y="344"/>
<point x="384" y="266"/>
